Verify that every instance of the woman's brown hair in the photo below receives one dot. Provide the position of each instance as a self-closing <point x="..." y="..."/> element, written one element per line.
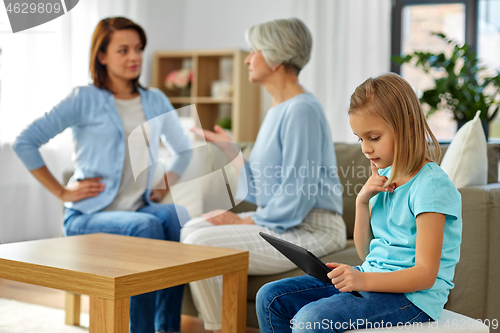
<point x="392" y="99"/>
<point x="100" y="41"/>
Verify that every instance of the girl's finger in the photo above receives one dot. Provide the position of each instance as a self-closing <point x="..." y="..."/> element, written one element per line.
<point x="333" y="264"/>
<point x="376" y="188"/>
<point x="374" y="168"/>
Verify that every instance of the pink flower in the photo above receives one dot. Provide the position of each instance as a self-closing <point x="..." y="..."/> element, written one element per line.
<point x="179" y="78"/>
<point x="170" y="80"/>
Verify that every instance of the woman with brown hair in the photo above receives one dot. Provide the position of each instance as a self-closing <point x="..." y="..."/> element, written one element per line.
<point x="105" y="193"/>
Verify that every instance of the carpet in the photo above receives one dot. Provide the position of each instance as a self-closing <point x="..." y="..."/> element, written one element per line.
<point x="17" y="317"/>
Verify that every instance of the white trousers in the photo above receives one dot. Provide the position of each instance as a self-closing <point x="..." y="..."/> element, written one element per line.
<point x="321" y="232"/>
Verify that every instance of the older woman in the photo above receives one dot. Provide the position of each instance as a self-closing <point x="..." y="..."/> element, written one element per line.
<point x="291" y="173"/>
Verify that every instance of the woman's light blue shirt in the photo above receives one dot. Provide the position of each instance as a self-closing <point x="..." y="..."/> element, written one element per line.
<point x="99" y="139"/>
<point x="394" y="227"/>
<point x="292" y="167"/>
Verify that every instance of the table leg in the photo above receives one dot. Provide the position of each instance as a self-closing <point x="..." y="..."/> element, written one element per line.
<point x="234" y="302"/>
<point x="109" y="316"/>
<point x="72" y="307"/>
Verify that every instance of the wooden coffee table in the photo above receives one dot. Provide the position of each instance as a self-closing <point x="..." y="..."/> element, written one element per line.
<point x="111" y="268"/>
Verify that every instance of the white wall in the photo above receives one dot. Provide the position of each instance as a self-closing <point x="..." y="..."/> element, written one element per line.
<point x="163" y="21"/>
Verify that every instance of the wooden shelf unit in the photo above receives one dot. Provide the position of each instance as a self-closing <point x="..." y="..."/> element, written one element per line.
<point x="206" y="67"/>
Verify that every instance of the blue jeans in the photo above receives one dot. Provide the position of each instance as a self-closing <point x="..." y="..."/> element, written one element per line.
<point x="157" y="311"/>
<point x="306" y="304"/>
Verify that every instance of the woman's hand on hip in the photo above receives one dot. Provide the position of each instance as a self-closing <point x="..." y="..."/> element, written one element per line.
<point x="223" y="217"/>
<point x="82" y="189"/>
<point x="374" y="185"/>
<point x="346" y="278"/>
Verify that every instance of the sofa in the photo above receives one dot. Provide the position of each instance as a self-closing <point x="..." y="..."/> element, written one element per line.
<point x="477" y="277"/>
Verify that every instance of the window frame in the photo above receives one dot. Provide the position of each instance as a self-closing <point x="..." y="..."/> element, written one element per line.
<point x="471" y="23"/>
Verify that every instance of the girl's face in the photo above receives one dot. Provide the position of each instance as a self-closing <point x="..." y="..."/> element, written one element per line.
<point x="123" y="58"/>
<point x="377" y="139"/>
<point x="258" y="69"/>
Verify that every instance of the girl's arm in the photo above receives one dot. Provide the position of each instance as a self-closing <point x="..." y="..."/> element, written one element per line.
<point x="430" y="230"/>
<point x="362" y="230"/>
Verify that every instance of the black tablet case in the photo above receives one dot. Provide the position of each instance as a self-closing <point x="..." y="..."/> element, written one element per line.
<point x="303" y="258"/>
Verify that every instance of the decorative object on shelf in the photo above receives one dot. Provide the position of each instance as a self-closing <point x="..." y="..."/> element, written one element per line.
<point x="225" y="123"/>
<point x="461" y="85"/>
<point x="221" y="89"/>
<point x="243" y="102"/>
<point x="179" y="79"/>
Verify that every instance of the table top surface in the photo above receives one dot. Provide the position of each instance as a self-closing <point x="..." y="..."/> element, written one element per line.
<point x="109" y="255"/>
<point x="113" y="261"/>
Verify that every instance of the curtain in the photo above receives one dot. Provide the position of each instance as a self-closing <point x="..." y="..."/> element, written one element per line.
<point x="38" y="68"/>
<point x="351" y="42"/>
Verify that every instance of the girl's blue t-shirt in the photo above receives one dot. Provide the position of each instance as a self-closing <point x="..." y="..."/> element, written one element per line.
<point x="393" y="223"/>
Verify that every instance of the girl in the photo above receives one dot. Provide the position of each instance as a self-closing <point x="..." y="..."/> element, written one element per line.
<point x="103" y="195"/>
<point x="407" y="228"/>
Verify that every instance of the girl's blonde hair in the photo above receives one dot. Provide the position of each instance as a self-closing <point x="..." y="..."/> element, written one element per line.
<point x="392" y="99"/>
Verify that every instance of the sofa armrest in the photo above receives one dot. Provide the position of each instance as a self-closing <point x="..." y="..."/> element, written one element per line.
<point x="477" y="275"/>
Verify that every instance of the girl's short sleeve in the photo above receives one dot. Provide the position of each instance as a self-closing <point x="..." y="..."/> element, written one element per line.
<point x="436" y="193"/>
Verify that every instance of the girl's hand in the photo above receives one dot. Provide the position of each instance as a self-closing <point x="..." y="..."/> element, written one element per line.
<point x="374" y="185"/>
<point x="221" y="217"/>
<point x="346" y="278"/>
<point x="82" y="189"/>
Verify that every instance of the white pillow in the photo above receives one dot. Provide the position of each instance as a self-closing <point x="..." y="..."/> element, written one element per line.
<point x="466" y="159"/>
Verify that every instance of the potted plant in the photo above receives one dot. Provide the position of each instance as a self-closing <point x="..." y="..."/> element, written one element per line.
<point x="461" y="85"/>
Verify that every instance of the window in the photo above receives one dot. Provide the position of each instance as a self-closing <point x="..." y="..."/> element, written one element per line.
<point x="477" y="22"/>
<point x="488" y="46"/>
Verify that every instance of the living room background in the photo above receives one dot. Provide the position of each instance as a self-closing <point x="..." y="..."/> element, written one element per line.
<point x="39" y="67"/>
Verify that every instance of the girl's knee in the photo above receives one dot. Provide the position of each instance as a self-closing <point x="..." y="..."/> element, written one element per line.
<point x="273" y="297"/>
<point x="310" y="319"/>
<point x="265" y="295"/>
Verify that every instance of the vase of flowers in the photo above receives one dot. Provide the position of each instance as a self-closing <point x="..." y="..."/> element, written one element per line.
<point x="180" y="80"/>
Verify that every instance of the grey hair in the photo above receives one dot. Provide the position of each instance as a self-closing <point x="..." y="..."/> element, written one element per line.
<point x="285" y="41"/>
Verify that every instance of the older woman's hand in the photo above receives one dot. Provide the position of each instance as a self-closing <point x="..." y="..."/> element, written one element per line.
<point x="218" y="136"/>
<point x="222" y="217"/>
<point x="224" y="141"/>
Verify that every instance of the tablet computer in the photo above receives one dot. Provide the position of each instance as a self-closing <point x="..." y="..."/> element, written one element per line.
<point x="303" y="258"/>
